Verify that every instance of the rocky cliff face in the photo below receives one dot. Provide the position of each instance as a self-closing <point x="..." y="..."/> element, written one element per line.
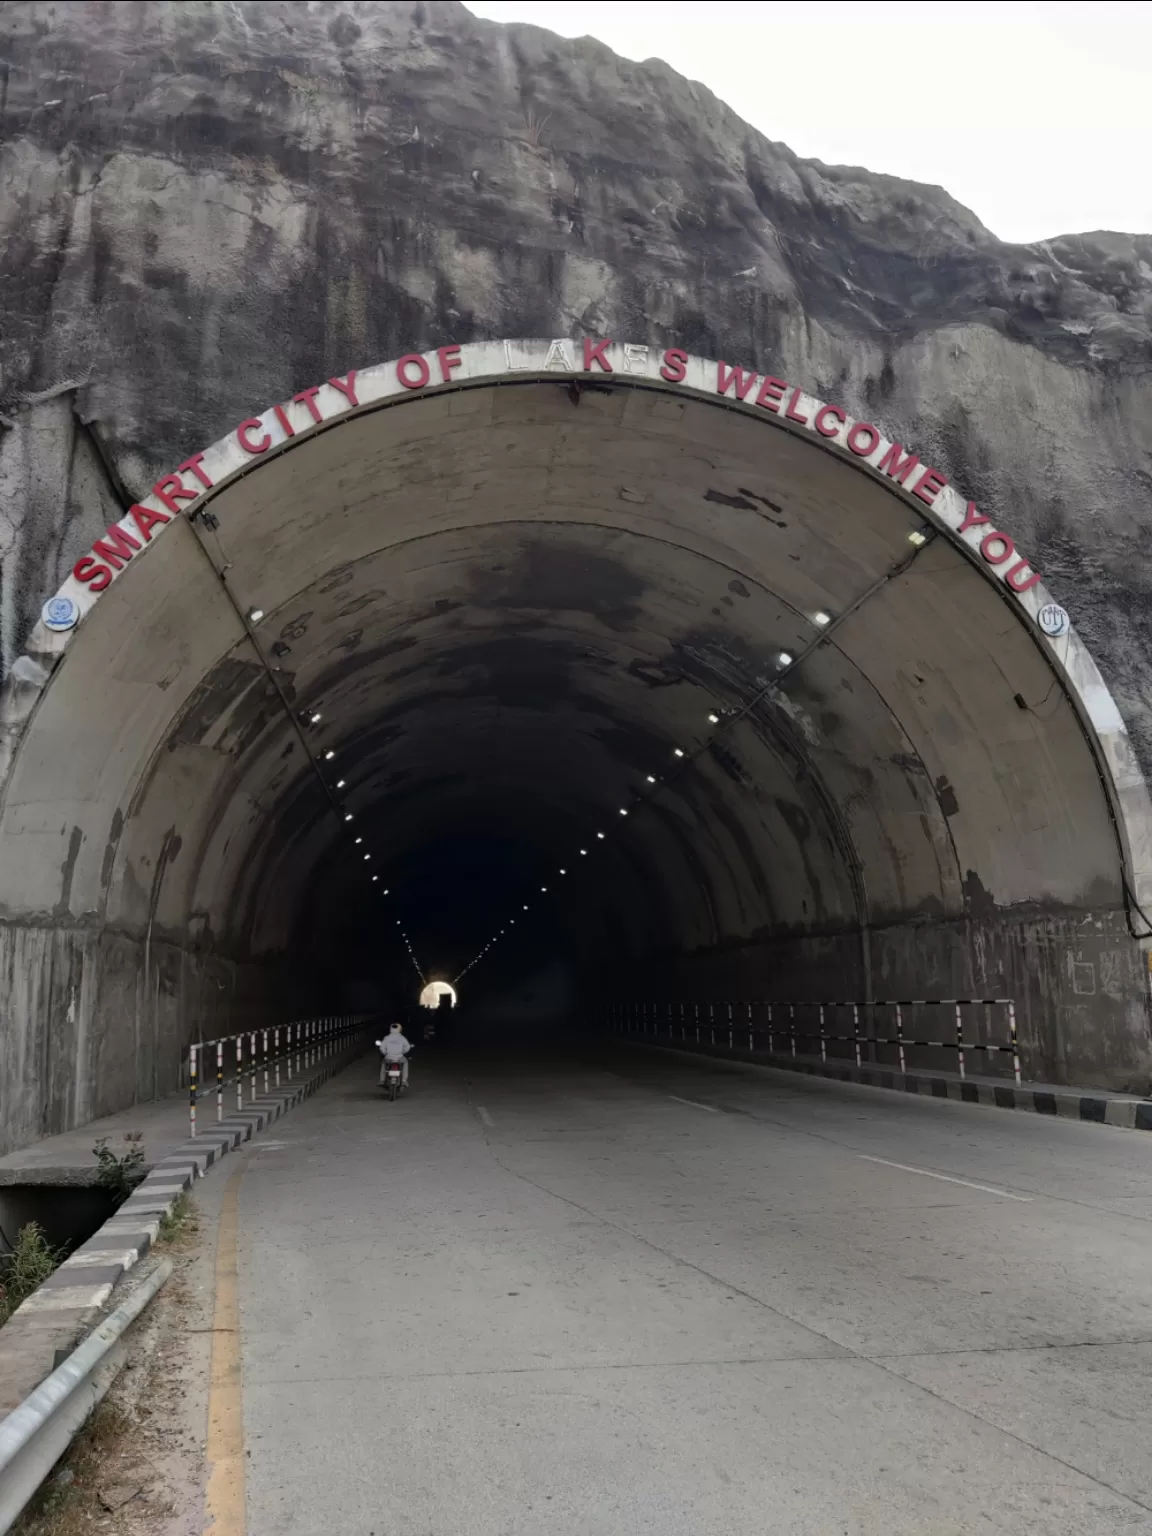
<point x="206" y="206"/>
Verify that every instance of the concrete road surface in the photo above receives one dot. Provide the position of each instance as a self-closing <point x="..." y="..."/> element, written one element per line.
<point x="622" y="1292"/>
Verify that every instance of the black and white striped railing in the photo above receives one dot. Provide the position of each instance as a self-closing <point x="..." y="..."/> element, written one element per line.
<point x="239" y="1061"/>
<point x="789" y="1028"/>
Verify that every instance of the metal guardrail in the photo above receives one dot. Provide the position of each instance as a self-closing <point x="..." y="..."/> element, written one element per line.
<point x="235" y="1060"/>
<point x="36" y="1434"/>
<point x="817" y="1022"/>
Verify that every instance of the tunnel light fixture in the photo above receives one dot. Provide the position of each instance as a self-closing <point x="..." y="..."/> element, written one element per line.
<point x="600" y="835"/>
<point x="623" y="812"/>
<point x="821" y="618"/>
<point x="525" y="908"/>
<point x="713" y="717"/>
<point x="329" y="755"/>
<point x="255" y="615"/>
<point x="785" y="658"/>
<point x="563" y="871"/>
<point x="340" y="783"/>
<point x="315" y="717"/>
<point x="917" y="537"/>
<point x="367" y="856"/>
<point x="651" y="777"/>
<point x="584" y="853"/>
<point x="375" y="877"/>
<point x="677" y="751"/>
<point x="359" y="840"/>
<point x="348" y="816"/>
<point x="385" y="893"/>
<point x="543" y="890"/>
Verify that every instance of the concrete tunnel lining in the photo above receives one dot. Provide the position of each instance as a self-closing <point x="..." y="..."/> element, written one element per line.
<point x="524" y="588"/>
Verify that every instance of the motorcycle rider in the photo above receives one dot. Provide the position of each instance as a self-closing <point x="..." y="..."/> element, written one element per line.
<point x="394" y="1047"/>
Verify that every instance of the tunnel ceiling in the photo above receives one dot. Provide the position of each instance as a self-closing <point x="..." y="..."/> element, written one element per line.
<point x="511" y="602"/>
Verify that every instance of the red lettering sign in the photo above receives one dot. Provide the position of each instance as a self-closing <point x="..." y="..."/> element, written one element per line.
<point x="449" y="358"/>
<point x="117" y="547"/>
<point x="929" y="486"/>
<point x="892" y="465"/>
<point x="972" y="518"/>
<point x="92" y="573"/>
<point x="244" y="436"/>
<point x="727" y="377"/>
<point x="594" y="353"/>
<point x="862" y="439"/>
<point x="145" y="519"/>
<point x="347" y="387"/>
<point x="771" y="393"/>
<point x="308" y="397"/>
<point x="792" y="414"/>
<point x="826" y="414"/>
<point x="404" y="368"/>
<point x="674" y="365"/>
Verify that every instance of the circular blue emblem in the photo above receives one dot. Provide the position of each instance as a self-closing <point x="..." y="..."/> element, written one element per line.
<point x="60" y="613"/>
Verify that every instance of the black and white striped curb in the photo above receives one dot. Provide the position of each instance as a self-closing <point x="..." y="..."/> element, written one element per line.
<point x="1065" y="1103"/>
<point x="68" y="1302"/>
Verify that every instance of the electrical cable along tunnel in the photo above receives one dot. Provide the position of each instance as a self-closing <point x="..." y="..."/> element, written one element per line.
<point x="575" y="671"/>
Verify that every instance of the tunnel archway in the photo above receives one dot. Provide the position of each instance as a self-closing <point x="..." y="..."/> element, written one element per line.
<point x="668" y="662"/>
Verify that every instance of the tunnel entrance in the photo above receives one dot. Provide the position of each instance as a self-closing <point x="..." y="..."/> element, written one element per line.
<point x="572" y="667"/>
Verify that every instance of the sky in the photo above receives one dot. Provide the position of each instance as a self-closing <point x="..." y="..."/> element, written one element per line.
<point x="1038" y="117"/>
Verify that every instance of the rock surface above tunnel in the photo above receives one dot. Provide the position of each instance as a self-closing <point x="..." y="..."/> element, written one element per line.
<point x="208" y="207"/>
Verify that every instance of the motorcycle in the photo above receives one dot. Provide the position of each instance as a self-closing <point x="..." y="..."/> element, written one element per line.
<point x="394" y="1084"/>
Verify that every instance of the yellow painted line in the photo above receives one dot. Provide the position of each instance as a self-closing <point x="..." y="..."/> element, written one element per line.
<point x="225" y="1494"/>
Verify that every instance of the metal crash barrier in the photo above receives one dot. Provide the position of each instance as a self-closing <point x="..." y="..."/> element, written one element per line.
<point x="281" y="1052"/>
<point x="876" y="1025"/>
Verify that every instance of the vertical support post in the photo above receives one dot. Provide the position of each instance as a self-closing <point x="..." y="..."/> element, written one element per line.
<point x="771" y="1033"/>
<point x="252" y="1063"/>
<point x="239" y="1071"/>
<point x="1014" y="1038"/>
<point x="960" y="1039"/>
<point x="193" y="1053"/>
<point x="856" y="1030"/>
<point x="219" y="1079"/>
<point x="712" y="1023"/>
<point x="276" y="1049"/>
<point x="265" y="1044"/>
<point x="989" y="1051"/>
<point x="683" y="1024"/>
<point x="900" y="1034"/>
<point x="792" y="1025"/>
<point x="823" y="1042"/>
<point x="731" y="1026"/>
<point x="751" y="1031"/>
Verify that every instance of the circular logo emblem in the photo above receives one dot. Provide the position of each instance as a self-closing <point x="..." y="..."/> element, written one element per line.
<point x="60" y="613"/>
<point x="1053" y="619"/>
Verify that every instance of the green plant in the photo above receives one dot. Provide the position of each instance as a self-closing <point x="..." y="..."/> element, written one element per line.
<point x="26" y="1268"/>
<point x="120" y="1174"/>
<point x="178" y="1221"/>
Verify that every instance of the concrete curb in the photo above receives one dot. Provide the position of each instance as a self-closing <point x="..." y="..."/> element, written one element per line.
<point x="1067" y="1103"/>
<point x="55" y="1317"/>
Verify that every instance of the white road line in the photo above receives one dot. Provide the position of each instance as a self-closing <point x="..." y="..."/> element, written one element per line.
<point x="711" y="1108"/>
<point x="485" y="1116"/>
<point x="947" y="1179"/>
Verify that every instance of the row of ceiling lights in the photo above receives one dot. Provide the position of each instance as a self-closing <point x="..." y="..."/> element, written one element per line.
<point x="820" y="618"/>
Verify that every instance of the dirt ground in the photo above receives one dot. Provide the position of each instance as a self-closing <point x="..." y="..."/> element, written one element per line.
<point x="137" y="1469"/>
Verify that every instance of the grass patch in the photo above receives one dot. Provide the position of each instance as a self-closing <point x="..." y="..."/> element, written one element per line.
<point x="26" y="1268"/>
<point x="120" y="1172"/>
<point x="179" y="1224"/>
<point x="70" y="1503"/>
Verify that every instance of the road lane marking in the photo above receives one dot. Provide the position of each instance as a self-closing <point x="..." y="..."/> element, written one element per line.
<point x="711" y="1108"/>
<point x="946" y="1178"/>
<point x="485" y="1116"/>
<point x="224" y="1497"/>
